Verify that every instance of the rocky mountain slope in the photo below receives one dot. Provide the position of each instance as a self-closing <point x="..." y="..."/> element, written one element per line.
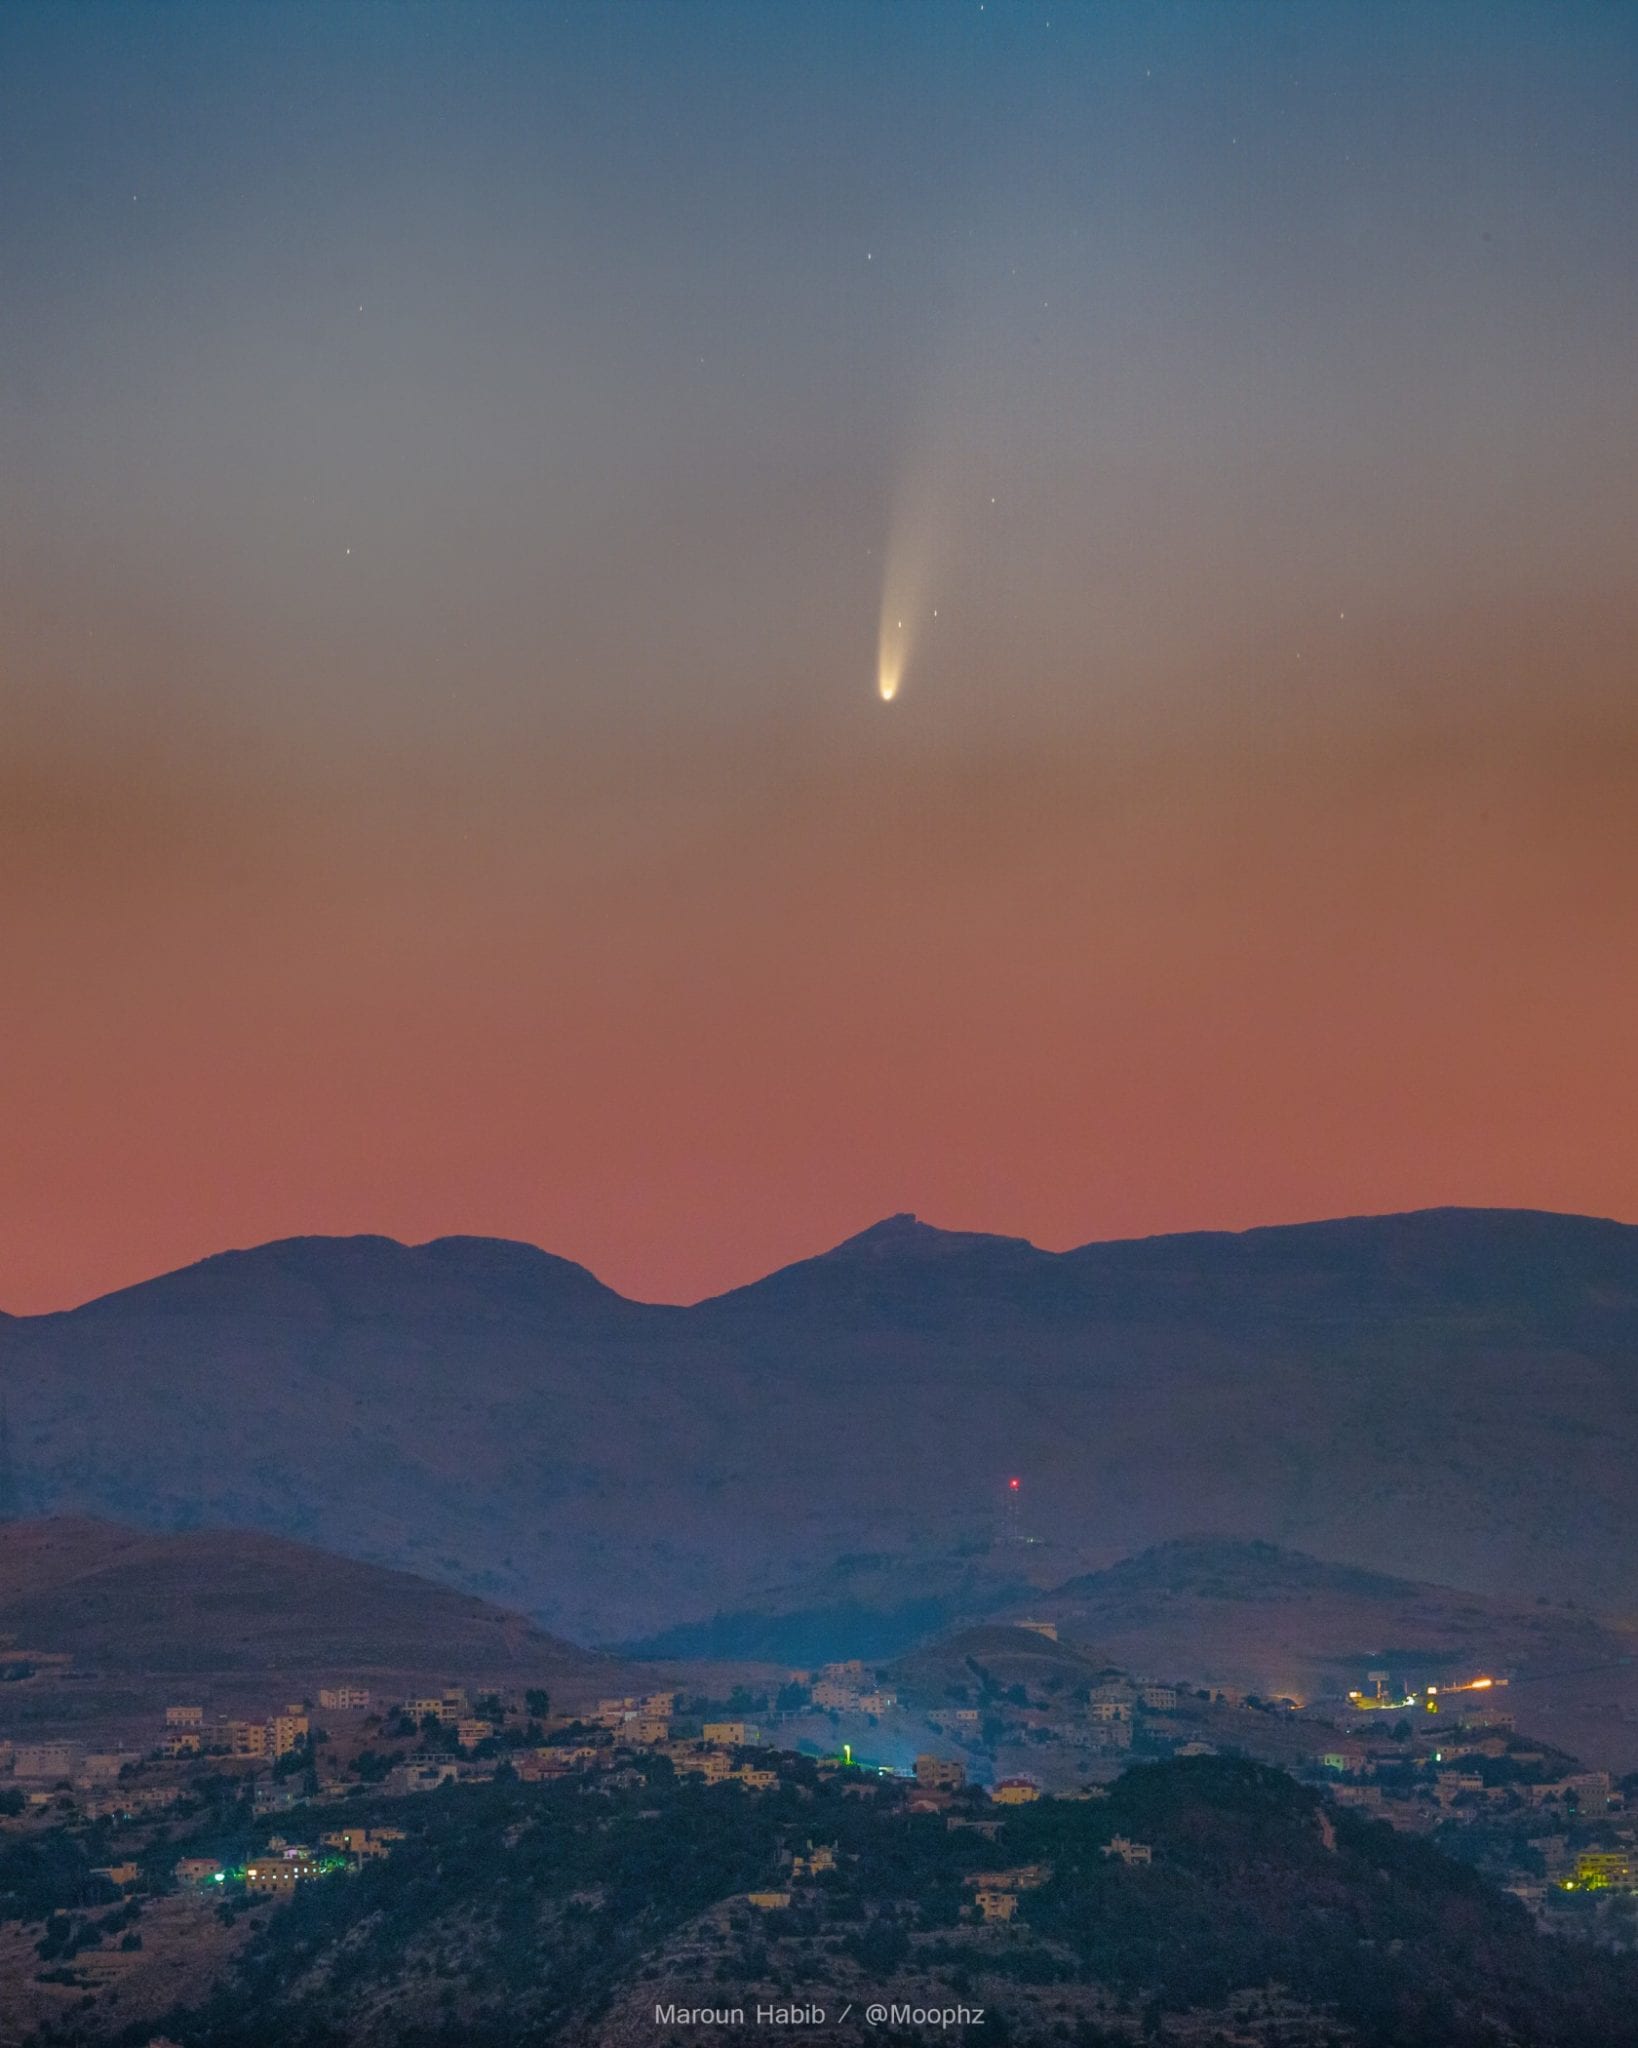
<point x="1448" y="1396"/>
<point x="134" y="1607"/>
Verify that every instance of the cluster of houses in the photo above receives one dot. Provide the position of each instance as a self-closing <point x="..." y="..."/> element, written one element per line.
<point x="847" y="1688"/>
<point x="1108" y="1720"/>
<point x="1417" y="1785"/>
<point x="260" y="1738"/>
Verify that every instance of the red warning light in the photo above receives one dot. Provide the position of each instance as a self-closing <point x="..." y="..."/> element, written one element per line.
<point x="1013" y="1483"/>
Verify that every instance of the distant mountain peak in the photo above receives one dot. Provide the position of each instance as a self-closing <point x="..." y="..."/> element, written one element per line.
<point x="906" y="1236"/>
<point x="366" y="1273"/>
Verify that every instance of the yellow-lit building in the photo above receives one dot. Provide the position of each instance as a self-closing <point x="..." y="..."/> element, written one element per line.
<point x="732" y="1734"/>
<point x="1014" y="1791"/>
<point x="363" y="1843"/>
<point x="289" y="1731"/>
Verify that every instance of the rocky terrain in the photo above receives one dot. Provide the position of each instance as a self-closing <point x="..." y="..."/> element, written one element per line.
<point x="1449" y="1396"/>
<point x="124" y="1620"/>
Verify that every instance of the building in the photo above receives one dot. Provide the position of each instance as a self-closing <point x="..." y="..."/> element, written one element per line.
<point x="120" y="1874"/>
<point x="1591" y="1789"/>
<point x="647" y="1728"/>
<point x="768" y="1902"/>
<point x="1599" y="1870"/>
<point x="344" y="1699"/>
<point x="428" y="1776"/>
<point x="471" y="1732"/>
<point x="196" y="1870"/>
<point x="46" y="1760"/>
<point x="289" y="1730"/>
<point x="757" y="1781"/>
<point x="836" y="1695"/>
<point x="102" y="1766"/>
<point x="187" y="1742"/>
<point x="184" y="1717"/>
<point x="817" y="1859"/>
<point x="362" y="1843"/>
<point x="732" y="1734"/>
<point x="1130" y="1853"/>
<point x="247" y="1738"/>
<point x="280" y="1874"/>
<point x="1023" y="1877"/>
<point x="940" y="1774"/>
<point x="1014" y="1791"/>
<point x="997" y="1905"/>
<point x="1159" y="1699"/>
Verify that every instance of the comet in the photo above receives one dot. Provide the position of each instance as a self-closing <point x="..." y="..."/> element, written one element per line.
<point x="908" y="579"/>
<point x="890" y="654"/>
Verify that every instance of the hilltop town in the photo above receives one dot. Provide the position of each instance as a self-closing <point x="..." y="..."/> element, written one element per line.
<point x="156" y="1848"/>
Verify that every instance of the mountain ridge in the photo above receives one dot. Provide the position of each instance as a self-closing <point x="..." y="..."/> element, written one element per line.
<point x="488" y="1415"/>
<point x="902" y="1236"/>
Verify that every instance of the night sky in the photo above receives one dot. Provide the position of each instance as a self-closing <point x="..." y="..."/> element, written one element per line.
<point x="460" y="469"/>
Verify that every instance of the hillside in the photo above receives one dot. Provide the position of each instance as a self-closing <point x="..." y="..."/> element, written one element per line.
<point x="1261" y="1916"/>
<point x="1278" y="1623"/>
<point x="1450" y="1396"/>
<point x="136" y="1609"/>
<point x="1005" y="1656"/>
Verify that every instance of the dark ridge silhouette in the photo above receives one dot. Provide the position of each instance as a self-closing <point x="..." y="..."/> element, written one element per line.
<point x="1446" y="1396"/>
